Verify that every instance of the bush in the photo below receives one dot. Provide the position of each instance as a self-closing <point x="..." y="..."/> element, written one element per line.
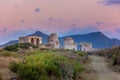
<point x="44" y="65"/>
<point x="1" y="76"/>
<point x="14" y="66"/>
<point x="80" y="53"/>
<point x="112" y="54"/>
<point x="18" y="46"/>
<point x="12" y="48"/>
<point x="115" y="61"/>
<point x="26" y="45"/>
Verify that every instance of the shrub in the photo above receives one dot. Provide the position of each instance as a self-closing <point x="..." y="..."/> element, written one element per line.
<point x="44" y="65"/>
<point x="1" y="76"/>
<point x="14" y="66"/>
<point x="26" y="45"/>
<point x="18" y="46"/>
<point x="115" y="61"/>
<point x="80" y="53"/>
<point x="77" y="68"/>
<point x="66" y="50"/>
<point x="12" y="48"/>
<point x="112" y="54"/>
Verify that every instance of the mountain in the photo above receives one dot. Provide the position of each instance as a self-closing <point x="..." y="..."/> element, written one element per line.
<point x="37" y="33"/>
<point x="9" y="43"/>
<point x="98" y="39"/>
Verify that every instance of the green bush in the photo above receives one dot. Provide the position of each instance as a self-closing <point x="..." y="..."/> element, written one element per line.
<point x="18" y="46"/>
<point x="14" y="66"/>
<point x="26" y="45"/>
<point x="42" y="66"/>
<point x="66" y="50"/>
<point x="12" y="48"/>
<point x="80" y="53"/>
<point x="1" y="76"/>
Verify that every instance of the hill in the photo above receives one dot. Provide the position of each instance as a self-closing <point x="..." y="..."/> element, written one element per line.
<point x="98" y="39"/>
<point x="9" y="43"/>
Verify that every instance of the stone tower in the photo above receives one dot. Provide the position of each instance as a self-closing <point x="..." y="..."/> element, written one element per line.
<point x="69" y="44"/>
<point x="53" y="40"/>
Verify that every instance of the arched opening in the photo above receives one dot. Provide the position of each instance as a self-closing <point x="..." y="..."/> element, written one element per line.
<point x="32" y="41"/>
<point x="37" y="41"/>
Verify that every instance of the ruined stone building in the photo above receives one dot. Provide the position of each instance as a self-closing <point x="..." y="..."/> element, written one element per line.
<point x="31" y="39"/>
<point x="54" y="41"/>
<point x="70" y="44"/>
<point x="84" y="46"/>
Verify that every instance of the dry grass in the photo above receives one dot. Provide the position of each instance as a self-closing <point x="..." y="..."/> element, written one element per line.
<point x="4" y="67"/>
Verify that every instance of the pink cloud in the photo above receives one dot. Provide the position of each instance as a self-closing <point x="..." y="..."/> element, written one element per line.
<point x="57" y="16"/>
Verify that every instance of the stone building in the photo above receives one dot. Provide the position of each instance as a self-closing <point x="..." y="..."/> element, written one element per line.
<point x="53" y="40"/>
<point x="70" y="44"/>
<point x="31" y="39"/>
<point x="84" y="46"/>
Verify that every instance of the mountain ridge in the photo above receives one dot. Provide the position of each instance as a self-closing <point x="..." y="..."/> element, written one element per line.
<point x="98" y="39"/>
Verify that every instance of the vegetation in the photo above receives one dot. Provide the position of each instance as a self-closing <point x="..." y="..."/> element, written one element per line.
<point x="1" y="76"/>
<point x="37" y="51"/>
<point x="8" y="54"/>
<point x="112" y="56"/>
<point x="18" y="46"/>
<point x="43" y="65"/>
<point x="80" y="53"/>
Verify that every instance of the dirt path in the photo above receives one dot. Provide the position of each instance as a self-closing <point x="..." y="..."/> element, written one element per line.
<point x="102" y="71"/>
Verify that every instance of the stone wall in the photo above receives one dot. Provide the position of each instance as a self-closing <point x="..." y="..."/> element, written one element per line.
<point x="70" y="44"/>
<point x="31" y="39"/>
<point x="53" y="40"/>
<point x="84" y="46"/>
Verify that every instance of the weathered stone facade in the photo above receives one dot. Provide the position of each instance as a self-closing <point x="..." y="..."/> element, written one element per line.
<point x="70" y="44"/>
<point x="87" y="47"/>
<point x="53" y="40"/>
<point x="53" y="43"/>
<point x="31" y="39"/>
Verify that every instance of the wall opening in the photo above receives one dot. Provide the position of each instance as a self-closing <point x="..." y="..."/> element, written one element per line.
<point x="32" y="41"/>
<point x="37" y="41"/>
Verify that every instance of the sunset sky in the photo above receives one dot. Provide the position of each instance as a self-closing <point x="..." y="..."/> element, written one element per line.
<point x="22" y="17"/>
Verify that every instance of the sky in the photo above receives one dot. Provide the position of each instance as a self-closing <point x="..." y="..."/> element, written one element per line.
<point x="64" y="17"/>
